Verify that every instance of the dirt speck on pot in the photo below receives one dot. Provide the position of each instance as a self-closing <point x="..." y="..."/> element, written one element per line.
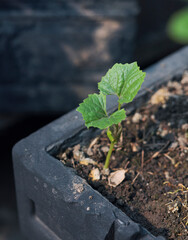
<point x="54" y="191"/>
<point x="78" y="187"/>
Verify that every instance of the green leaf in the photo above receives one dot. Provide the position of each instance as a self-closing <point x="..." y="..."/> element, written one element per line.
<point x="93" y="110"/>
<point x="123" y="80"/>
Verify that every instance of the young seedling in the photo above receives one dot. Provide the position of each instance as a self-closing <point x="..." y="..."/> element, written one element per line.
<point x="122" y="80"/>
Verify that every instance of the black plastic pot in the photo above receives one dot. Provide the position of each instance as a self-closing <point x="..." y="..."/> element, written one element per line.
<point x="53" y="202"/>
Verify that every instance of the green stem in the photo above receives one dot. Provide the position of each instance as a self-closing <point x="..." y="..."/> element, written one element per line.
<point x="119" y="106"/>
<point x="107" y="162"/>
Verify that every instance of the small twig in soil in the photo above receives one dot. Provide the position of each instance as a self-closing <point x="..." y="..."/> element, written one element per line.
<point x="159" y="164"/>
<point x="183" y="225"/>
<point x="184" y="148"/>
<point x="72" y="161"/>
<point x="135" y="178"/>
<point x="104" y="139"/>
<point x="126" y="165"/>
<point x="169" y="184"/>
<point x="186" y="224"/>
<point x="142" y="160"/>
<point x="171" y="159"/>
<point x="177" y="164"/>
<point x="93" y="142"/>
<point x="157" y="153"/>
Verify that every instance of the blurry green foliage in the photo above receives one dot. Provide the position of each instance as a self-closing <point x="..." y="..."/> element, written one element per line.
<point x="177" y="26"/>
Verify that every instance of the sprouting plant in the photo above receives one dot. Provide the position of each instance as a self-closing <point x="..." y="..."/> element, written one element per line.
<point x="122" y="80"/>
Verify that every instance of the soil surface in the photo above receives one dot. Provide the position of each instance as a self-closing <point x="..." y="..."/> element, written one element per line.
<point x="153" y="152"/>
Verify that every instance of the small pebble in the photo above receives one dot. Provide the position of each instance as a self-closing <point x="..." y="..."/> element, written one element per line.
<point x="135" y="147"/>
<point x="173" y="145"/>
<point x="166" y="175"/>
<point x="87" y="161"/>
<point x="105" y="149"/>
<point x="184" y="127"/>
<point x="184" y="80"/>
<point x="106" y="171"/>
<point x="175" y="87"/>
<point x="136" y="118"/>
<point x="89" y="152"/>
<point x="160" y="97"/>
<point x="182" y="141"/>
<point x="164" y="133"/>
<point x="95" y="174"/>
<point x="77" y="147"/>
<point x="77" y="155"/>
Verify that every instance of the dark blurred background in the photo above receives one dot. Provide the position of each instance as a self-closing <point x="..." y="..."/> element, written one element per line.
<point x="52" y="54"/>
